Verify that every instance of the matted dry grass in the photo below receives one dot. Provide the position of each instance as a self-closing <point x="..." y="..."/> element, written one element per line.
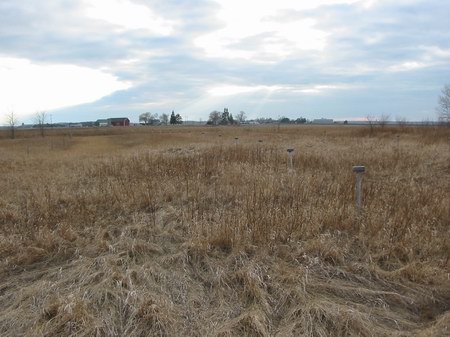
<point x="182" y="232"/>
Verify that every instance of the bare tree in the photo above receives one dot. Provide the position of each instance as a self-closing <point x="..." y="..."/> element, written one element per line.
<point x="384" y="120"/>
<point x="371" y="120"/>
<point x="443" y="108"/>
<point x="241" y="117"/>
<point x="164" y="119"/>
<point x="12" y="121"/>
<point x="214" y="117"/>
<point x="41" y="119"/>
<point x="401" y="121"/>
<point x="144" y="117"/>
<point x="147" y="118"/>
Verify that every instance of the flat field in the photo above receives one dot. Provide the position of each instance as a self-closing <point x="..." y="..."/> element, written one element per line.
<point x="206" y="231"/>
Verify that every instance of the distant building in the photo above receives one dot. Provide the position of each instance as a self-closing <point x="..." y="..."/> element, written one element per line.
<point x="101" y="122"/>
<point x="120" y="121"/>
<point x="88" y="124"/>
<point x="322" y="121"/>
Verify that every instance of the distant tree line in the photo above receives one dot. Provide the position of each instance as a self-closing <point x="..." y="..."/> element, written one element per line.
<point x="223" y="118"/>
<point x="282" y="120"/>
<point x="148" y="118"/>
<point x="226" y="118"/>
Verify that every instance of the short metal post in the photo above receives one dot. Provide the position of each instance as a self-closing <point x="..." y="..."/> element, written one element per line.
<point x="290" y="161"/>
<point x="359" y="170"/>
<point x="259" y="150"/>
<point x="398" y="144"/>
<point x="236" y="141"/>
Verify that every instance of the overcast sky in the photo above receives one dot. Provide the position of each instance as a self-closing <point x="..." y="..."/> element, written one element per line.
<point x="342" y="59"/>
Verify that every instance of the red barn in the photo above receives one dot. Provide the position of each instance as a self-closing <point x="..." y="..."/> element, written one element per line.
<point x="121" y="121"/>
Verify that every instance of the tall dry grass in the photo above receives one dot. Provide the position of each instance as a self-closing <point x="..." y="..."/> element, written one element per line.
<point x="183" y="232"/>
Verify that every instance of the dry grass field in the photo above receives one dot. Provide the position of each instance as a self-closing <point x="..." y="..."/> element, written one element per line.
<point x="184" y="231"/>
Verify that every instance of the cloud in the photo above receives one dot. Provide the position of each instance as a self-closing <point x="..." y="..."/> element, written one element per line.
<point x="232" y="90"/>
<point x="49" y="87"/>
<point x="254" y="33"/>
<point x="407" y="66"/>
<point x="195" y="56"/>
<point x="128" y="16"/>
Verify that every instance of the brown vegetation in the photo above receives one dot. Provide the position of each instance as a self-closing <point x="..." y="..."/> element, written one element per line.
<point x="177" y="231"/>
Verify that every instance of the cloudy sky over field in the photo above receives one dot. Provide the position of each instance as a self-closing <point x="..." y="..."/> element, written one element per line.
<point x="342" y="59"/>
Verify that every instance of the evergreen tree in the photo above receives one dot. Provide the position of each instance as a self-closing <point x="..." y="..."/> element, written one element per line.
<point x="173" y="118"/>
<point x="178" y="119"/>
<point x="225" y="117"/>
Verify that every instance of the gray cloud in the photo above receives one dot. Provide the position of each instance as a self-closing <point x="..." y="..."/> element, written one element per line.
<point x="392" y="57"/>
